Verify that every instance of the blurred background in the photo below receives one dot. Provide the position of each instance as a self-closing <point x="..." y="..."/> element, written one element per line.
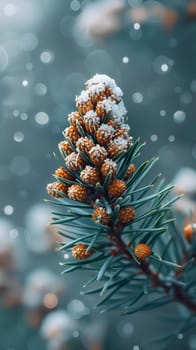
<point x="48" y="49"/>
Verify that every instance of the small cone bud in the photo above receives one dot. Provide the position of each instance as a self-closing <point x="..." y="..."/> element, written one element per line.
<point x="108" y="167"/>
<point x="89" y="175"/>
<point x="65" y="146"/>
<point x="98" y="93"/>
<point x="62" y="172"/>
<point x="75" y="117"/>
<point x="103" y="108"/>
<point x="104" y="134"/>
<point x="77" y="193"/>
<point x="126" y="215"/>
<point x="97" y="155"/>
<point x="74" y="161"/>
<point x="72" y="133"/>
<point x="84" y="103"/>
<point x="55" y="187"/>
<point x="116" y="188"/>
<point x="142" y="251"/>
<point x="101" y="215"/>
<point x="91" y="122"/>
<point x="79" y="251"/>
<point x="131" y="169"/>
<point x="84" y="144"/>
<point x="122" y="132"/>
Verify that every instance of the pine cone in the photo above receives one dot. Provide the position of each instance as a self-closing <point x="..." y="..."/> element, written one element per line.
<point x="79" y="251"/>
<point x="131" y="169"/>
<point x="91" y="122"/>
<point x="90" y="175"/>
<point x="101" y="215"/>
<point x="74" y="161"/>
<point x="116" y="188"/>
<point x="125" y="215"/>
<point x="62" y="172"/>
<point x="97" y="155"/>
<point x="104" y="134"/>
<point x="55" y="187"/>
<point x="84" y="144"/>
<point x="83" y="102"/>
<point x="77" y="193"/>
<point x="108" y="167"/>
<point x="72" y="133"/>
<point x="75" y="117"/>
<point x="65" y="146"/>
<point x="142" y="251"/>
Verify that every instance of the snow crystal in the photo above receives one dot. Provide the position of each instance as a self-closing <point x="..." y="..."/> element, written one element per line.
<point x="96" y="89"/>
<point x="119" y="109"/>
<point x="126" y="126"/>
<point x="117" y="92"/>
<point x="106" y="105"/>
<point x="108" y="128"/>
<point x="111" y="163"/>
<point x="98" y="150"/>
<point x="92" y="117"/>
<point x="103" y="79"/>
<point x="83" y="97"/>
<point x="121" y="142"/>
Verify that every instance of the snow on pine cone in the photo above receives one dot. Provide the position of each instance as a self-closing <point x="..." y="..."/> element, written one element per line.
<point x="97" y="155"/>
<point x="104" y="134"/>
<point x="108" y="167"/>
<point x="90" y="175"/>
<point x="57" y="189"/>
<point x="91" y="122"/>
<point x="74" y="161"/>
<point x="84" y="144"/>
<point x="100" y="215"/>
<point x="65" y="147"/>
<point x="98" y="133"/>
<point x="75" y="117"/>
<point x="83" y="102"/>
<point x="72" y="133"/>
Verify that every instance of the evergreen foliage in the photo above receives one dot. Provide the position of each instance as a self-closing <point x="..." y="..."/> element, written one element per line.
<point x="121" y="227"/>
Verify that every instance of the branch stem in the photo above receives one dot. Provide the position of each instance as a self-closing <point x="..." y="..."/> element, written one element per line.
<point x="177" y="291"/>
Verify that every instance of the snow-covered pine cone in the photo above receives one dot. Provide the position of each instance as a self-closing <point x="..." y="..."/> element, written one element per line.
<point x="84" y="144"/>
<point x="57" y="189"/>
<point x="75" y="117"/>
<point x="74" y="161"/>
<point x="89" y="175"/>
<point x="108" y="167"/>
<point x="65" y="147"/>
<point x="98" y="133"/>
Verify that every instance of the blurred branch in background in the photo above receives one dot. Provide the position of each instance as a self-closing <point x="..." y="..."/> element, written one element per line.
<point x="101" y="19"/>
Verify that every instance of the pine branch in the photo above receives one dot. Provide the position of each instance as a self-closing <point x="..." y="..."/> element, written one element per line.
<point x="117" y="225"/>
